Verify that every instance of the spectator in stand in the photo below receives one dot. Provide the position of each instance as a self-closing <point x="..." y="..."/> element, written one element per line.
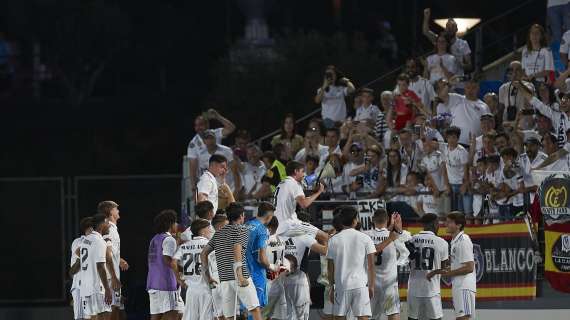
<point x="441" y="64"/>
<point x="502" y="141"/>
<point x="331" y="96"/>
<point x="252" y="171"/>
<point x="558" y="18"/>
<point x="370" y="171"/>
<point x="288" y="136"/>
<point x="394" y="175"/>
<point x="510" y="98"/>
<point x="492" y="101"/>
<point x="537" y="60"/>
<point x="547" y="95"/>
<point x="313" y="146"/>
<point x="434" y="167"/>
<point x="457" y="172"/>
<point x="418" y="84"/>
<point x="242" y="139"/>
<point x="487" y="126"/>
<point x="487" y="147"/>
<point x="558" y="160"/>
<point x="560" y="118"/>
<point x="406" y="105"/>
<point x="332" y="139"/>
<point x="197" y="145"/>
<point x="353" y="183"/>
<point x="458" y="47"/>
<point x="409" y="193"/>
<point x="275" y="172"/>
<point x="411" y="151"/>
<point x="565" y="46"/>
<point x="381" y="127"/>
<point x="366" y="111"/>
<point x="533" y="152"/>
<point x="510" y="200"/>
<point x="466" y="111"/>
<point x="543" y="124"/>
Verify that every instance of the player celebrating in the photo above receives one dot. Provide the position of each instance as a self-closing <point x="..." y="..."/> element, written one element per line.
<point x="111" y="210"/>
<point x="208" y="185"/>
<point x="462" y="273"/>
<point x="161" y="281"/>
<point x="349" y="253"/>
<point x="85" y="225"/>
<point x="386" y="299"/>
<point x="257" y="261"/>
<point x="288" y="194"/>
<point x="428" y="255"/>
<point x="276" y="307"/>
<point x="199" y="297"/>
<point x="96" y="294"/>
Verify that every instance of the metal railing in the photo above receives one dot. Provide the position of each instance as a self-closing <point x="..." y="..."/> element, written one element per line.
<point x="478" y="56"/>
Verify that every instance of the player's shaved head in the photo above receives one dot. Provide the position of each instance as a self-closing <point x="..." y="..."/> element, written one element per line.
<point x="429" y="222"/>
<point x="97" y="220"/>
<point x="85" y="224"/>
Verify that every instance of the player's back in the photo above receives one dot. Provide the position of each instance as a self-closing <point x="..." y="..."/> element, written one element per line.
<point x="285" y="203"/>
<point x="92" y="251"/>
<point x="275" y="249"/>
<point x="189" y="256"/>
<point x="385" y="263"/>
<point x="430" y="251"/>
<point x="299" y="247"/>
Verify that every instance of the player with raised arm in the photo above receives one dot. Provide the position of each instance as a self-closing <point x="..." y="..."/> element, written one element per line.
<point x="462" y="272"/>
<point x="96" y="294"/>
<point x="428" y="255"/>
<point x="288" y="194"/>
<point x="162" y="279"/>
<point x="115" y="264"/>
<point x="296" y="284"/>
<point x="85" y="226"/>
<point x="351" y="268"/>
<point x="198" y="296"/>
<point x="386" y="299"/>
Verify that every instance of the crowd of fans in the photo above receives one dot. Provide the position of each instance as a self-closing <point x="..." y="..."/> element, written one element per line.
<point x="429" y="142"/>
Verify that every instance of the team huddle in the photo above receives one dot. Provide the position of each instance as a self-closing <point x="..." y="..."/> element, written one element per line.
<point x="232" y="268"/>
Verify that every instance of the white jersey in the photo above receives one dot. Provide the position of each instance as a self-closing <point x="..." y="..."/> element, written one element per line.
<point x="275" y="249"/>
<point x="386" y="268"/>
<point x="92" y="251"/>
<point x="462" y="252"/>
<point x="188" y="255"/>
<point x="209" y="186"/>
<point x="299" y="247"/>
<point x="349" y="250"/>
<point x="285" y="196"/>
<point x="431" y="250"/>
<point x="76" y="277"/>
<point x="115" y="241"/>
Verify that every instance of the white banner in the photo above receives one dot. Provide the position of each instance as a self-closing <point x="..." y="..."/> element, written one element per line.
<point x="366" y="210"/>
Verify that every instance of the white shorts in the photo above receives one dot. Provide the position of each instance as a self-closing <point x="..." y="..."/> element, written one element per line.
<point x="77" y="305"/>
<point x="94" y="305"/>
<point x="246" y="295"/>
<point x="117" y="301"/>
<point x="163" y="301"/>
<point x="217" y="301"/>
<point x="198" y="305"/>
<point x="426" y="307"/>
<point x="386" y="301"/>
<point x="355" y="301"/>
<point x="295" y="228"/>
<point x="276" y="307"/>
<point x="463" y="302"/>
<point x="327" y="304"/>
<point x="179" y="301"/>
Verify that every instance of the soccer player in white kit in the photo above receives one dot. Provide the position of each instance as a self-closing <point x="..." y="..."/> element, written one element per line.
<point x="351" y="268"/>
<point x="198" y="295"/>
<point x="288" y="194"/>
<point x="85" y="226"/>
<point x="111" y="210"/>
<point x="276" y="307"/>
<point x="386" y="300"/>
<point x="462" y="272"/>
<point x="207" y="187"/>
<point x="96" y="294"/>
<point x="430" y="254"/>
<point x="296" y="284"/>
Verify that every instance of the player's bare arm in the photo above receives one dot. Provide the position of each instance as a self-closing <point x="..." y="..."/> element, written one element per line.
<point x="123" y="265"/>
<point x="103" y="275"/>
<point x="202" y="196"/>
<point x="74" y="268"/>
<point x="205" y="265"/>
<point x="305" y="202"/>
<point x="330" y="271"/>
<point x="319" y="248"/>
<point x="178" y="274"/>
<point x="371" y="258"/>
<point x="115" y="283"/>
<point x="238" y="265"/>
<point x="466" y="268"/>
<point x="442" y="271"/>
